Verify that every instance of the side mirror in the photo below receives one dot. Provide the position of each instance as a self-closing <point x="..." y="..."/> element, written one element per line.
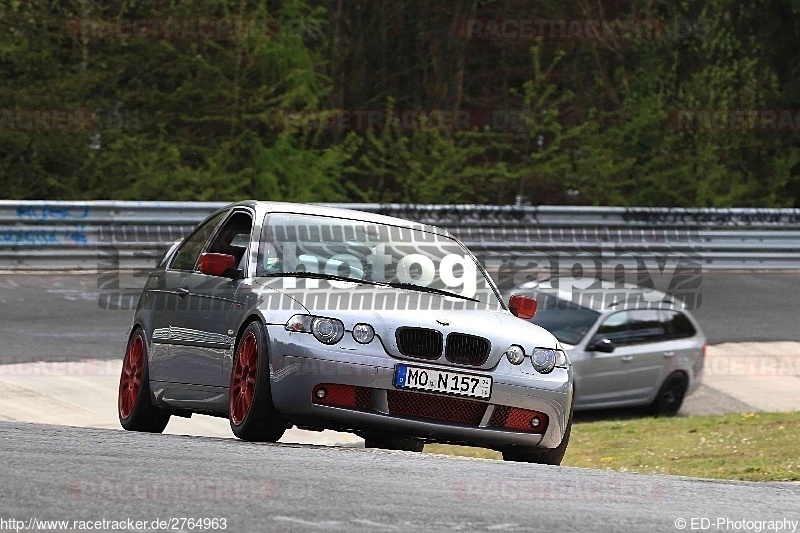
<point x="522" y="306"/>
<point x="601" y="345"/>
<point x="216" y="264"/>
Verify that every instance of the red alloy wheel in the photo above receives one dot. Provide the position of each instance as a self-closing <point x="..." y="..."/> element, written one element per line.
<point x="243" y="379"/>
<point x="130" y="382"/>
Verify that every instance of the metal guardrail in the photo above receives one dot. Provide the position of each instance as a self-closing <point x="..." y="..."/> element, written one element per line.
<point x="106" y="235"/>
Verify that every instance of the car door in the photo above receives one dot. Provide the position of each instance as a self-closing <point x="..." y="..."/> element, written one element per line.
<point x="199" y="324"/>
<point x="176" y="276"/>
<point x="646" y="350"/>
<point x="600" y="377"/>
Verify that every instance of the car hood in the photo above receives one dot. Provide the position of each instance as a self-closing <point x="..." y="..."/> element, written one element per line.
<point x="388" y="309"/>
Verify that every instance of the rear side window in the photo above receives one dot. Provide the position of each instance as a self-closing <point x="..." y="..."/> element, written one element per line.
<point x="678" y="325"/>
<point x="190" y="249"/>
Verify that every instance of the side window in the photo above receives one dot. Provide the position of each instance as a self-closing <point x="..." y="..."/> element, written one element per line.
<point x="646" y="326"/>
<point x="190" y="249"/>
<point x="234" y="237"/>
<point x="633" y="327"/>
<point x="615" y="328"/>
<point x="678" y="325"/>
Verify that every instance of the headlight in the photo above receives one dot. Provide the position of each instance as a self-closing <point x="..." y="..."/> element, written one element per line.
<point x="543" y="359"/>
<point x="515" y="354"/>
<point x="327" y="330"/>
<point x="363" y="333"/>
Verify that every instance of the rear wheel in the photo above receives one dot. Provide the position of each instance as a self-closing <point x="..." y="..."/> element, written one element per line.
<point x="134" y="405"/>
<point x="670" y="396"/>
<point x="252" y="414"/>
<point x="553" y="456"/>
<point x="393" y="443"/>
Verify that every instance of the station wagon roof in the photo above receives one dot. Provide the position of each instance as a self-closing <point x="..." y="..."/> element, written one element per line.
<point x="613" y="296"/>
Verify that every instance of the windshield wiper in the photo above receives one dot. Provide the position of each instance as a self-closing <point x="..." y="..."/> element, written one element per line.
<point x="431" y="290"/>
<point x="318" y="275"/>
<point x="393" y="284"/>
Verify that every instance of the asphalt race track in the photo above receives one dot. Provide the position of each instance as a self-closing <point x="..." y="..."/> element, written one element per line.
<point x="115" y="475"/>
<point x="68" y="473"/>
<point x="65" y="316"/>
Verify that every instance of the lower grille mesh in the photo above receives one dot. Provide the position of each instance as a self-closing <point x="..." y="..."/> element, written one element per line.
<point x="442" y="408"/>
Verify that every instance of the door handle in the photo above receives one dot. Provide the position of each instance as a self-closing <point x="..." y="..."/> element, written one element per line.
<point x="669" y="354"/>
<point x="627" y="358"/>
<point x="183" y="291"/>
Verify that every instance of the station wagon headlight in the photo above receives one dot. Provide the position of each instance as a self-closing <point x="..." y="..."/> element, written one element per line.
<point x="544" y="360"/>
<point x="363" y="333"/>
<point x="515" y="354"/>
<point x="325" y="330"/>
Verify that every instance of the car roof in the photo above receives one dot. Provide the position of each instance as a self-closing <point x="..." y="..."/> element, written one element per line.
<point x="605" y="295"/>
<point x="331" y="211"/>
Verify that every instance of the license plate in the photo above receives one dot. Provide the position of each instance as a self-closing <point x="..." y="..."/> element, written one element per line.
<point x="443" y="382"/>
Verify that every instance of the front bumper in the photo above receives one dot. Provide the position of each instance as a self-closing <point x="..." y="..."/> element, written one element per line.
<point x="299" y="363"/>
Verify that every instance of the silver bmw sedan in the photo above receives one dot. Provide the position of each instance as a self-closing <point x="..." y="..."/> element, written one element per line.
<point x="277" y="315"/>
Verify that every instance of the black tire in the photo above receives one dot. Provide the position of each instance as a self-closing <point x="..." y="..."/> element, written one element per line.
<point x="553" y="456"/>
<point x="134" y="400"/>
<point x="393" y="443"/>
<point x="255" y="419"/>
<point x="670" y="396"/>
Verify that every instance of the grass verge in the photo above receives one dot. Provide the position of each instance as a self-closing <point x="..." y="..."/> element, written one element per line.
<point x="746" y="446"/>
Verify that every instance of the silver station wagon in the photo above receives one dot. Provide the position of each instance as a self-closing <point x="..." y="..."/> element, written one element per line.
<point x="277" y="315"/>
<point x="629" y="345"/>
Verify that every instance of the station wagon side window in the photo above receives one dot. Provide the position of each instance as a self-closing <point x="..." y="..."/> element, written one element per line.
<point x="677" y="324"/>
<point x="636" y="326"/>
<point x="186" y="257"/>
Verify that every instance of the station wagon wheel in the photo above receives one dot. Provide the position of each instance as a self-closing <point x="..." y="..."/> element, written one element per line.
<point x="252" y="414"/>
<point x="670" y="397"/>
<point x="134" y="403"/>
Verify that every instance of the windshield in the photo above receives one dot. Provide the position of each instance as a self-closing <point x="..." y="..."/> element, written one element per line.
<point x="411" y="258"/>
<point x="567" y="321"/>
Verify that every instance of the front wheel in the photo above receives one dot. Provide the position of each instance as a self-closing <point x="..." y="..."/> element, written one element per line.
<point x="252" y="414"/>
<point x="135" y="408"/>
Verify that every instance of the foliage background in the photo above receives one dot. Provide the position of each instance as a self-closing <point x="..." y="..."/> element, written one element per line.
<point x="551" y="121"/>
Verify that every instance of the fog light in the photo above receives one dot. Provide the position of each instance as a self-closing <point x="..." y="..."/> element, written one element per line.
<point x="321" y="393"/>
<point x="535" y="422"/>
